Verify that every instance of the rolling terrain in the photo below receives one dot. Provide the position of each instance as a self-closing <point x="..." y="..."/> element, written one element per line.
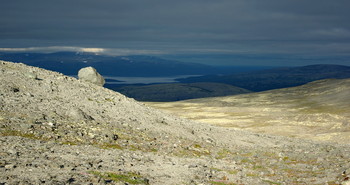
<point x="55" y="129"/>
<point x="179" y="91"/>
<point x="318" y="110"/>
<point x="223" y="85"/>
<point x="276" y="78"/>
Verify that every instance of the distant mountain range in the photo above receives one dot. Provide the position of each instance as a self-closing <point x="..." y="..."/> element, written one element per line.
<point x="223" y="85"/>
<point x="214" y="81"/>
<point x="69" y="63"/>
<point x="276" y="78"/>
<point x="179" y="91"/>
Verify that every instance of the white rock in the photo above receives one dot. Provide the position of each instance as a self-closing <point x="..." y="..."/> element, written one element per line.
<point x="89" y="74"/>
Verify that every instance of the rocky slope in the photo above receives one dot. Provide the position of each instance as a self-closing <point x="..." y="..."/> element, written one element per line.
<point x="59" y="130"/>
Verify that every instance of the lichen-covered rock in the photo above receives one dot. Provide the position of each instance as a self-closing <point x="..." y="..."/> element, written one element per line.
<point x="89" y="74"/>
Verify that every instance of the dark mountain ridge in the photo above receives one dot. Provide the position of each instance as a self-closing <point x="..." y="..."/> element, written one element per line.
<point x="276" y="78"/>
<point x="224" y="85"/>
<point x="69" y="63"/>
<point x="178" y="91"/>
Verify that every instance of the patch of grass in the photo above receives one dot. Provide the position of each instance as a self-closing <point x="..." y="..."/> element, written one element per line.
<point x="127" y="177"/>
<point x="311" y="107"/>
<point x="216" y="169"/>
<point x="232" y="172"/>
<point x="271" y="182"/>
<point x="219" y="182"/>
<point x="332" y="183"/>
<point x="249" y="154"/>
<point x="200" y="153"/>
<point x="93" y="100"/>
<point x="270" y="155"/>
<point x="223" y="154"/>
<point x="110" y="146"/>
<point x="109" y="100"/>
<point x="19" y="133"/>
<point x="252" y="175"/>
<point x="245" y="160"/>
<point x="294" y="161"/>
<point x="9" y="132"/>
<point x="134" y="147"/>
<point x="192" y="152"/>
<point x="256" y="167"/>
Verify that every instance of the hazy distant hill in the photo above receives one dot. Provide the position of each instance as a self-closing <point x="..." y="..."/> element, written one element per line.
<point x="276" y="78"/>
<point x="179" y="91"/>
<point x="70" y="62"/>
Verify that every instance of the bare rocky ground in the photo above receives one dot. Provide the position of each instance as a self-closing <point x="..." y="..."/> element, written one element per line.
<point x="59" y="130"/>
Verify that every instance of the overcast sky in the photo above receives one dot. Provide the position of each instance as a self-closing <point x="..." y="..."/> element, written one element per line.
<point x="308" y="29"/>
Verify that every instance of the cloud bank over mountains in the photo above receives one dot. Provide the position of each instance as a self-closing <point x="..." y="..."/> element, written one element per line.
<point x="103" y="51"/>
<point x="180" y="27"/>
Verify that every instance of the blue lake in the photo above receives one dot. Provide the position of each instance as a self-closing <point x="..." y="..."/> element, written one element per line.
<point x="143" y="80"/>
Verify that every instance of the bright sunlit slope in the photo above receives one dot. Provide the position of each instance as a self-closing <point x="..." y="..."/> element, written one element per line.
<point x="318" y="110"/>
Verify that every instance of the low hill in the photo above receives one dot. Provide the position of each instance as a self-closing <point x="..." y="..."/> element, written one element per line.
<point x="55" y="129"/>
<point x="178" y="91"/>
<point x="318" y="110"/>
<point x="276" y="78"/>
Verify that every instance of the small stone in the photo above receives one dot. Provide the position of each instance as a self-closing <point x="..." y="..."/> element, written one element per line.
<point x="11" y="151"/>
<point x="9" y="166"/>
<point x="115" y="137"/>
<point x="108" y="181"/>
<point x="91" y="135"/>
<point x="31" y="75"/>
<point x="78" y="115"/>
<point x="14" y="89"/>
<point x="50" y="124"/>
<point x="70" y="180"/>
<point x="319" y="160"/>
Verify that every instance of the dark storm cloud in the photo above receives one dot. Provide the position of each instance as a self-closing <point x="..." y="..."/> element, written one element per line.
<point x="183" y="26"/>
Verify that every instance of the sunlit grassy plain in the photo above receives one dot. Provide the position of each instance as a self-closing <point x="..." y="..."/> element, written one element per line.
<point x="318" y="111"/>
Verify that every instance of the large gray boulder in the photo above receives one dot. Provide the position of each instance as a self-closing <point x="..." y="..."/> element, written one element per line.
<point x="89" y="74"/>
